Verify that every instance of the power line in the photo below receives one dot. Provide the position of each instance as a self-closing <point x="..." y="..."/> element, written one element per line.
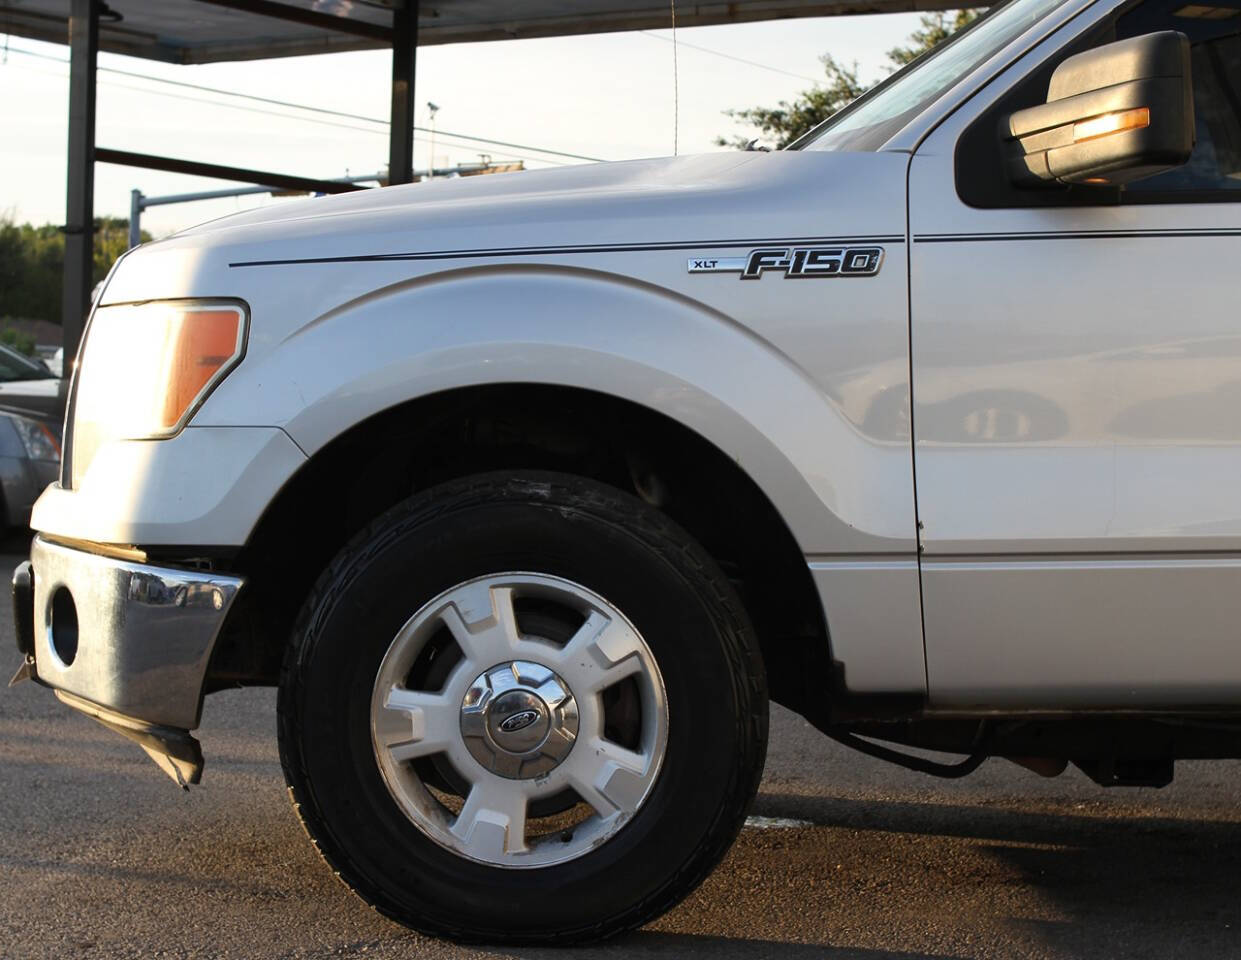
<point x="729" y="56"/>
<point x="301" y="106"/>
<point x="500" y="155"/>
<point x="503" y="155"/>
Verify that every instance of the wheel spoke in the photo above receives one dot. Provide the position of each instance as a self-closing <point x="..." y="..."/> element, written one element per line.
<point x="604" y="651"/>
<point x="559" y="743"/>
<point x="609" y="777"/>
<point x="492" y="824"/>
<point x="483" y="623"/>
<point x="413" y="724"/>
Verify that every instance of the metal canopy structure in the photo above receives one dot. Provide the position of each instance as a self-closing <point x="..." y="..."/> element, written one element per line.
<point x="209" y="31"/>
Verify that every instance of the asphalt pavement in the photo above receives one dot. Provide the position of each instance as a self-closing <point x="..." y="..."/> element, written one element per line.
<point x="847" y="857"/>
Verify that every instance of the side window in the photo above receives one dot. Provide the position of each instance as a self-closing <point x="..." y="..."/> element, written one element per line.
<point x="1213" y="172"/>
<point x="1215" y="43"/>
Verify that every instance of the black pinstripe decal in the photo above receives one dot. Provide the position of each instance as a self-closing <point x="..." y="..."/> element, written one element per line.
<point x="572" y="249"/>
<point x="1072" y="235"/>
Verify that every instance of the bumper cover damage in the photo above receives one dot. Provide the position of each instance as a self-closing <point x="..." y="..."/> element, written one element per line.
<point x="124" y="642"/>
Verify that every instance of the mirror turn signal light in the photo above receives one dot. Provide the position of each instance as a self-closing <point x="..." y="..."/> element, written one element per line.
<point x="1107" y="124"/>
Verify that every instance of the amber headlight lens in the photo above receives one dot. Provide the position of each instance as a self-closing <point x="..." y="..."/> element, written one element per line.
<point x="147" y="367"/>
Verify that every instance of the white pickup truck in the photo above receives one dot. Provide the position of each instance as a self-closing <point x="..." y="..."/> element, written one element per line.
<point x="529" y="491"/>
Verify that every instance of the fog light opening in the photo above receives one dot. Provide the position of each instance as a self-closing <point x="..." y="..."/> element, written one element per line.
<point x="63" y="626"/>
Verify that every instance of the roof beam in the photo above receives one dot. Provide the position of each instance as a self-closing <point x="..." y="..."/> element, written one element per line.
<point x="194" y="168"/>
<point x="308" y="18"/>
<point x="169" y="29"/>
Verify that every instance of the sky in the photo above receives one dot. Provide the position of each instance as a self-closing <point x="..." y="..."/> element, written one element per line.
<point x="606" y="96"/>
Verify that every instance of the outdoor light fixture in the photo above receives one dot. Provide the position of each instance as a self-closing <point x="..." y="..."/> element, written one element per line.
<point x="434" y="109"/>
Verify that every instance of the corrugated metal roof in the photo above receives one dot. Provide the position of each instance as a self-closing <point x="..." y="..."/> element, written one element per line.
<point x="206" y="31"/>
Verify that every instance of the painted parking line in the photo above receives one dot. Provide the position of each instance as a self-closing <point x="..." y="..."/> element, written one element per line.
<point x="776" y="823"/>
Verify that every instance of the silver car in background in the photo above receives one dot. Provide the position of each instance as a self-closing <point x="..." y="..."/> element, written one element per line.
<point x="32" y="408"/>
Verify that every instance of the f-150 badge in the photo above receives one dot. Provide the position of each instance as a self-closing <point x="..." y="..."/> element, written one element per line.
<point x="796" y="262"/>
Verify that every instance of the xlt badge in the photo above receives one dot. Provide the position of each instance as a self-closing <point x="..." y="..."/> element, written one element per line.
<point x="796" y="262"/>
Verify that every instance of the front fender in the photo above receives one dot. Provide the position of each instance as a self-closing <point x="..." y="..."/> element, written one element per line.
<point x="839" y="491"/>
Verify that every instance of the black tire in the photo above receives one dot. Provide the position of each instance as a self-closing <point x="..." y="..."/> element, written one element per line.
<point x="666" y="585"/>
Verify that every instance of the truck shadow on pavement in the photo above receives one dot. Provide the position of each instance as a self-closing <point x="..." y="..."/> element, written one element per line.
<point x="866" y="879"/>
<point x="1112" y="883"/>
<point x="89" y="833"/>
<point x="1054" y="824"/>
<point x="645" y="944"/>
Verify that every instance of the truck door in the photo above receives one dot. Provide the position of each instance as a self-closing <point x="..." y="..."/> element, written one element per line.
<point x="1077" y="402"/>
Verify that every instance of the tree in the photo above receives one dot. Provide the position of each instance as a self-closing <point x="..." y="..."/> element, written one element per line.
<point x="21" y="342"/>
<point x="32" y="260"/>
<point x="787" y="121"/>
<point x="936" y="28"/>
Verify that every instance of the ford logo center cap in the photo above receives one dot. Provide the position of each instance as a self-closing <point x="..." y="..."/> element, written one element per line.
<point x="519" y="721"/>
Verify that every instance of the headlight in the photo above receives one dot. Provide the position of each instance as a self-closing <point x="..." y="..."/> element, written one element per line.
<point x="39" y="441"/>
<point x="145" y="368"/>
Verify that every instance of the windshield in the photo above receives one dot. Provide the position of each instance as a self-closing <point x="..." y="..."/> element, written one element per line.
<point x="13" y="366"/>
<point x="869" y="122"/>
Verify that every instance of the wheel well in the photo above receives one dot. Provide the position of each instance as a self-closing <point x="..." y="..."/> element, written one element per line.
<point x="427" y="441"/>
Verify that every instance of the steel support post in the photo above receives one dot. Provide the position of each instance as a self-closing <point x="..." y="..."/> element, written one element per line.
<point x="404" y="54"/>
<point x="135" y="217"/>
<point x="80" y="196"/>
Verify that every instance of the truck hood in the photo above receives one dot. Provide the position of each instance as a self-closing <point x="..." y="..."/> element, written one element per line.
<point x="692" y="201"/>
<point x="489" y="198"/>
<point x="695" y="197"/>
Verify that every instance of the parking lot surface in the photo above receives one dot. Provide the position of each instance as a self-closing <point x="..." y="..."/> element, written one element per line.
<point x="846" y="857"/>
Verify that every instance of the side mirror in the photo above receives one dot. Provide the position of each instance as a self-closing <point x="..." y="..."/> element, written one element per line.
<point x="1114" y="114"/>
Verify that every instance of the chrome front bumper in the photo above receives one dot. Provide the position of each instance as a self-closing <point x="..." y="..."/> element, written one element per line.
<point x="124" y="641"/>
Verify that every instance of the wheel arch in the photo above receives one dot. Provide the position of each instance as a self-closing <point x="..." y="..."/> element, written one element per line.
<point x="454" y="433"/>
